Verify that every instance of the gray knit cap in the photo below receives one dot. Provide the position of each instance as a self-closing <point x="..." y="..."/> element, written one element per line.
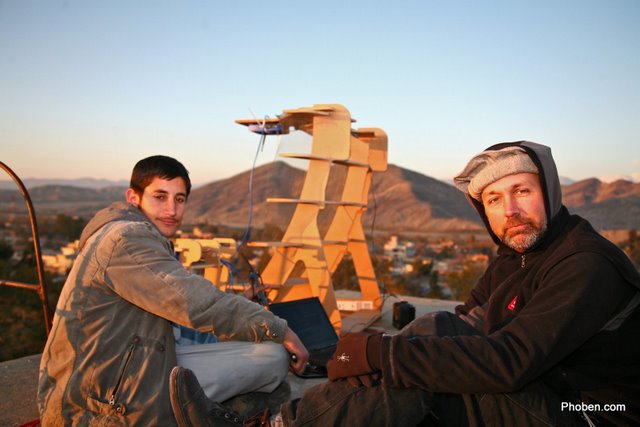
<point x="489" y="166"/>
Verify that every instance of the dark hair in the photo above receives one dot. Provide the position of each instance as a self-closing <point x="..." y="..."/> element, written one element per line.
<point x="146" y="170"/>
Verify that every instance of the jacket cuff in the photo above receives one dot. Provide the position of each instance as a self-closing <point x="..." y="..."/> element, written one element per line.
<point x="374" y="351"/>
<point x="277" y="330"/>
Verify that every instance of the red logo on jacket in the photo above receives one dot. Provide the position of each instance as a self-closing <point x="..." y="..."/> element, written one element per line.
<point x="512" y="304"/>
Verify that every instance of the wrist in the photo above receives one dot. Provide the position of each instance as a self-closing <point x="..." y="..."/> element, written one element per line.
<point x="374" y="351"/>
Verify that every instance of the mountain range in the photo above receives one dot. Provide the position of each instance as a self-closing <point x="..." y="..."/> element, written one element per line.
<point x="7" y="184"/>
<point x="400" y="200"/>
<point x="608" y="205"/>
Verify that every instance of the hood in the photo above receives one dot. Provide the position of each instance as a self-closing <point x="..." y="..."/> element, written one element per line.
<point x="118" y="211"/>
<point x="549" y="180"/>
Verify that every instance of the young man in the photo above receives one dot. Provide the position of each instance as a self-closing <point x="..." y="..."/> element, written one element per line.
<point x="548" y="336"/>
<point x="111" y="350"/>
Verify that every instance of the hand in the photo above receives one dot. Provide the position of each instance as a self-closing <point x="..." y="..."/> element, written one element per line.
<point x="299" y="353"/>
<point x="350" y="357"/>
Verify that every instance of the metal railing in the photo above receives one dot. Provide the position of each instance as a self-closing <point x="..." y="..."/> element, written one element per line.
<point x="41" y="287"/>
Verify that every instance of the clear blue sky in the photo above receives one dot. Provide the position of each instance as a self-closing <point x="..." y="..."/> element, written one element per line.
<point x="87" y="88"/>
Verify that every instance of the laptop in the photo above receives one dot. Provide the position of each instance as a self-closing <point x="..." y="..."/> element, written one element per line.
<point x="307" y="318"/>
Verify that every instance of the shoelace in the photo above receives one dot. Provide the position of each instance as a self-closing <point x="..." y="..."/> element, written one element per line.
<point x="259" y="420"/>
<point x="229" y="416"/>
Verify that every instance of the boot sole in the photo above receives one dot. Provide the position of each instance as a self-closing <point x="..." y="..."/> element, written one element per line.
<point x="176" y="405"/>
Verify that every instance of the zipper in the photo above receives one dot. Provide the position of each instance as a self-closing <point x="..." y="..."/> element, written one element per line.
<point x="523" y="261"/>
<point x="112" y="399"/>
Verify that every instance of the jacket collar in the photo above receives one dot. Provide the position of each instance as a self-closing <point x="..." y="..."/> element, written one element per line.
<point x="117" y="211"/>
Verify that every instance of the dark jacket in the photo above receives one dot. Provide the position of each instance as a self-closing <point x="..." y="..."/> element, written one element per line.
<point x="565" y="312"/>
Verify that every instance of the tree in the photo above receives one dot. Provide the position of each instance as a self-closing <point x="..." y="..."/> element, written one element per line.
<point x="63" y="227"/>
<point x="461" y="283"/>
<point x="22" y="330"/>
<point x="632" y="247"/>
<point x="435" y="290"/>
<point x="422" y="268"/>
<point x="6" y="250"/>
<point x="345" y="276"/>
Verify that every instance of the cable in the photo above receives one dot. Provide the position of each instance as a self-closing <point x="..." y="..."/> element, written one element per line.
<point x="231" y="268"/>
<point x="254" y="276"/>
<point x="256" y="282"/>
<point x="247" y="231"/>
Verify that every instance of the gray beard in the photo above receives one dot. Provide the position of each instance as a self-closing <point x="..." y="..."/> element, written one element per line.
<point x="523" y="242"/>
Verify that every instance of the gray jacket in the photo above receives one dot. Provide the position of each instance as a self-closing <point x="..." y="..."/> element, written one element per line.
<point x="108" y="356"/>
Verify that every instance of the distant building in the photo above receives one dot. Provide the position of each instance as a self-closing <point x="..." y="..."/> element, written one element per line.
<point x="401" y="255"/>
<point x="60" y="262"/>
<point x="442" y="245"/>
<point x="479" y="258"/>
<point x="397" y="250"/>
<point x="446" y="266"/>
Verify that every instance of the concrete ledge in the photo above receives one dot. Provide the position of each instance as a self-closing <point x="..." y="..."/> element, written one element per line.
<point x="18" y="385"/>
<point x="19" y="377"/>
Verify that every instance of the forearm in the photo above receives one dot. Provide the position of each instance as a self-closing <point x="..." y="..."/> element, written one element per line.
<point x="142" y="271"/>
<point x="553" y="324"/>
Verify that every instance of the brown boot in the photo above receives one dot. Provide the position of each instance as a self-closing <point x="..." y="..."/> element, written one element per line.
<point x="259" y="420"/>
<point x="250" y="404"/>
<point x="192" y="408"/>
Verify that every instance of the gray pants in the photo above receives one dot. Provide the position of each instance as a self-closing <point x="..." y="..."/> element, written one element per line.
<point x="341" y="404"/>
<point x="229" y="368"/>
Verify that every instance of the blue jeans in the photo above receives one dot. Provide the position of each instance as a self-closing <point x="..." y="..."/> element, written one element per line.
<point x="341" y="404"/>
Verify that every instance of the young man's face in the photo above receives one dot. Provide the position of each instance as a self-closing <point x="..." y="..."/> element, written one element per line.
<point x="515" y="208"/>
<point x="163" y="202"/>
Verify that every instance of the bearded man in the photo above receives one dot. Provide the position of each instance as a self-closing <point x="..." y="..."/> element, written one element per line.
<point x="548" y="336"/>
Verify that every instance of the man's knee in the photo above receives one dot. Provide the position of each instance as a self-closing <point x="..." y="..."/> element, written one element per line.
<point x="438" y="323"/>
<point x="535" y="405"/>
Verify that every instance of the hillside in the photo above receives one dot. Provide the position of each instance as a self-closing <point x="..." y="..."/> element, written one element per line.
<point x="8" y="184"/>
<point x="609" y="206"/>
<point x="62" y="199"/>
<point x="227" y="201"/>
<point x="400" y="201"/>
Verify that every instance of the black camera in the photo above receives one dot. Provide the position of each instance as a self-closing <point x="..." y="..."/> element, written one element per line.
<point x="403" y="313"/>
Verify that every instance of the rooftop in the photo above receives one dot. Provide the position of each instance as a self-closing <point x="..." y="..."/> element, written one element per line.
<point x="19" y="377"/>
